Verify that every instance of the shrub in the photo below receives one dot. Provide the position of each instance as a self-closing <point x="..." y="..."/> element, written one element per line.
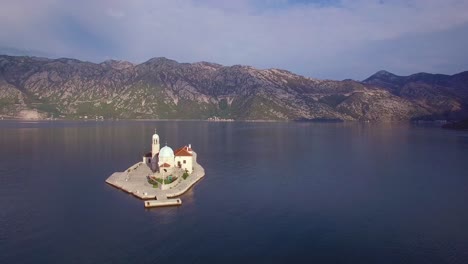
<point x="154" y="182"/>
<point x="167" y="181"/>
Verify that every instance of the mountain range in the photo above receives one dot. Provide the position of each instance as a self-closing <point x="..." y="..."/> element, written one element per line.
<point x="160" y="88"/>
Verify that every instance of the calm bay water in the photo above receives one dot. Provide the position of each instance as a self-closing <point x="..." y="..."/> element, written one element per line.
<point x="276" y="192"/>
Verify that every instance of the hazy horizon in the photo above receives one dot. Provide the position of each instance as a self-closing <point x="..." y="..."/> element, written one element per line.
<point x="326" y="39"/>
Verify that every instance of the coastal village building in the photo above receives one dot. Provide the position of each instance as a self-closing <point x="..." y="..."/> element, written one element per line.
<point x="166" y="160"/>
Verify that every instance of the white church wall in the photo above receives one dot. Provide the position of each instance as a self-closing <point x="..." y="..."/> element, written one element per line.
<point x="188" y="165"/>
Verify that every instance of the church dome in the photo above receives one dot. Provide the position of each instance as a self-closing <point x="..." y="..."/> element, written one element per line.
<point x="166" y="152"/>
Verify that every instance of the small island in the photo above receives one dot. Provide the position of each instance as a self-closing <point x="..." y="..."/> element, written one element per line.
<point x="161" y="175"/>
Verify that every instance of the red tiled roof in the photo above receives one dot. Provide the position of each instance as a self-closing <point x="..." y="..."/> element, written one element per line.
<point x="183" y="151"/>
<point x="165" y="165"/>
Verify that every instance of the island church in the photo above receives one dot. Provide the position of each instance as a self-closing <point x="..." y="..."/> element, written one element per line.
<point x="165" y="159"/>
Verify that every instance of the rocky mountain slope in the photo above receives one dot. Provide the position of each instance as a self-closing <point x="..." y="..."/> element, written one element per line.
<point x="442" y="96"/>
<point x="165" y="89"/>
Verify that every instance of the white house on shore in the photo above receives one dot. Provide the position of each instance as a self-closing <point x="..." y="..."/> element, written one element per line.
<point x="166" y="159"/>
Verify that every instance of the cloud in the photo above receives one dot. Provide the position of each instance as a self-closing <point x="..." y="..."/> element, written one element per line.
<point x="327" y="39"/>
<point x="115" y="13"/>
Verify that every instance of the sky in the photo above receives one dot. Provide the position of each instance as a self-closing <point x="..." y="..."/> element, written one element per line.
<point x="327" y="39"/>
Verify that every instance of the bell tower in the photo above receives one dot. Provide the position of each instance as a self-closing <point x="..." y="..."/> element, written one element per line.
<point x="155" y="145"/>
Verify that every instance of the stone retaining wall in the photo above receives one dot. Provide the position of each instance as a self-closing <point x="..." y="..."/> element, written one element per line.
<point x="170" y="185"/>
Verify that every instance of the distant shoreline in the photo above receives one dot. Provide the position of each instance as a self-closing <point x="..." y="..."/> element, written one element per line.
<point x="299" y="121"/>
<point x="459" y="125"/>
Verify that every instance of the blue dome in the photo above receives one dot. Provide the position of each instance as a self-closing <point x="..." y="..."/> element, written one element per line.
<point x="166" y="152"/>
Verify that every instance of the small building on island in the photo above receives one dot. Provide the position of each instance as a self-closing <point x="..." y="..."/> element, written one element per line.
<point x="165" y="159"/>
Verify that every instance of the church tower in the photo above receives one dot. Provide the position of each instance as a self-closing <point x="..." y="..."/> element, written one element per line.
<point x="155" y="145"/>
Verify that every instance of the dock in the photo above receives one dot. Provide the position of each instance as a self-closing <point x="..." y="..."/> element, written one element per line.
<point x="158" y="203"/>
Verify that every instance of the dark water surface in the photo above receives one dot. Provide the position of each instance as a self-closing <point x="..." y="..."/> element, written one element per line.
<point x="273" y="192"/>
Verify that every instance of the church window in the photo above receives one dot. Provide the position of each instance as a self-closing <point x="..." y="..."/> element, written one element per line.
<point x="185" y="161"/>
